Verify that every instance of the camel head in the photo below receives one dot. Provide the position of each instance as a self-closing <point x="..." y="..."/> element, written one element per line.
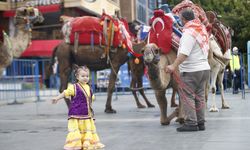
<point x="151" y="53"/>
<point x="28" y="16"/>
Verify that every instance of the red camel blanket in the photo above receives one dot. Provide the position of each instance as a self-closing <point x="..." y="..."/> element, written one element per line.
<point x="161" y="31"/>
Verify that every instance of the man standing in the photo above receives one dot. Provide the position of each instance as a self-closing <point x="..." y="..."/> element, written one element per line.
<point x="235" y="68"/>
<point x="55" y="80"/>
<point x="194" y="70"/>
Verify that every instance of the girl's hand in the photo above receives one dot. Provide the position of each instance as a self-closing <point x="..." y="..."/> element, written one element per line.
<point x="54" y="101"/>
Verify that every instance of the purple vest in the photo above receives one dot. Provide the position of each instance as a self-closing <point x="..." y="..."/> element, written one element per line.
<point x="80" y="106"/>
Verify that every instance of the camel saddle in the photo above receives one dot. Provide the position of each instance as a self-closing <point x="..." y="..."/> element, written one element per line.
<point x="88" y="30"/>
<point x="198" y="12"/>
<point x="220" y="31"/>
<point x="161" y="31"/>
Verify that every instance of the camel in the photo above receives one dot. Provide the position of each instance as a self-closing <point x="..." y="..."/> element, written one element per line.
<point x="218" y="64"/>
<point x="91" y="56"/>
<point x="137" y="72"/>
<point x="160" y="81"/>
<point x="218" y="58"/>
<point x="14" y="46"/>
<point x="220" y="45"/>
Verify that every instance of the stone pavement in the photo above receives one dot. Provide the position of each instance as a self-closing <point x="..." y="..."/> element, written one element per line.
<point x="43" y="126"/>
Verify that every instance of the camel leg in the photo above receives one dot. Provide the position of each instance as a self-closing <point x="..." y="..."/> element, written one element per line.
<point x="146" y="99"/>
<point x="133" y="85"/>
<point x="143" y="94"/>
<point x="64" y="74"/>
<point x="214" y="74"/>
<point x="162" y="102"/>
<point x="173" y="104"/>
<point x="174" y="114"/>
<point x="220" y="83"/>
<point x="206" y="91"/>
<point x="111" y="87"/>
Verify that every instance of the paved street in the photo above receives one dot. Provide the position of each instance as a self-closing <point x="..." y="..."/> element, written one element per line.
<point x="43" y="126"/>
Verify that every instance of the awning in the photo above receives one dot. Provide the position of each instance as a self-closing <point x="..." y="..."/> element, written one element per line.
<point x="41" y="48"/>
<point x="42" y="9"/>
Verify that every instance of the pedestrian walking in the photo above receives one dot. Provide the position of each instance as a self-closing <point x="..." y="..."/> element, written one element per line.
<point x="81" y="127"/>
<point x="192" y="60"/>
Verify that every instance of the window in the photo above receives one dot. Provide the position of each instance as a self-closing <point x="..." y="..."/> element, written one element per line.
<point x="141" y="13"/>
<point x="152" y="4"/>
<point x="142" y="1"/>
<point x="144" y="10"/>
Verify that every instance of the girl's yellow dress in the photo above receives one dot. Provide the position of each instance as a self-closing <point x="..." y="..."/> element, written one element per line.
<point x="82" y="131"/>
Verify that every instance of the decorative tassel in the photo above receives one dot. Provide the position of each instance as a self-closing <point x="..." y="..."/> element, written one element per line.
<point x="137" y="61"/>
<point x="123" y="46"/>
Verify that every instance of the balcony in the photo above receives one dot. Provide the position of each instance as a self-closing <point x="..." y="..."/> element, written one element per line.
<point x="14" y="4"/>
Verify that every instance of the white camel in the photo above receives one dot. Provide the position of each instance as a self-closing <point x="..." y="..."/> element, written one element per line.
<point x="216" y="58"/>
<point x="13" y="47"/>
<point x="218" y="63"/>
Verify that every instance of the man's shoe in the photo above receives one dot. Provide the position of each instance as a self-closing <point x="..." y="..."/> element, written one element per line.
<point x="201" y="126"/>
<point x="187" y="128"/>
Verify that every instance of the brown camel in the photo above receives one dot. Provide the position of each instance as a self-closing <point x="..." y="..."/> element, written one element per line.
<point x="137" y="72"/>
<point x="13" y="47"/>
<point x="160" y="80"/>
<point x="92" y="57"/>
<point x="138" y="69"/>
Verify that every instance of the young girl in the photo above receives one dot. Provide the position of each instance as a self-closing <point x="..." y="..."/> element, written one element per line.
<point x="82" y="131"/>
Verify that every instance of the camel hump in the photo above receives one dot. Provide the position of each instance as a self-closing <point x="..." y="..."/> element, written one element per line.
<point x="198" y="11"/>
<point x="220" y="31"/>
<point x="211" y="16"/>
<point x="86" y="24"/>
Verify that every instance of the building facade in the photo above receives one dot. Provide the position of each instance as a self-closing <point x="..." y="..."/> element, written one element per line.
<point x="50" y="29"/>
<point x="139" y="10"/>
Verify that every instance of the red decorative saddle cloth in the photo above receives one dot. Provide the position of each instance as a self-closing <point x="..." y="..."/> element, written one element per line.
<point x="209" y="19"/>
<point x="220" y="31"/>
<point x="198" y="12"/>
<point x="161" y="31"/>
<point x="90" y="31"/>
